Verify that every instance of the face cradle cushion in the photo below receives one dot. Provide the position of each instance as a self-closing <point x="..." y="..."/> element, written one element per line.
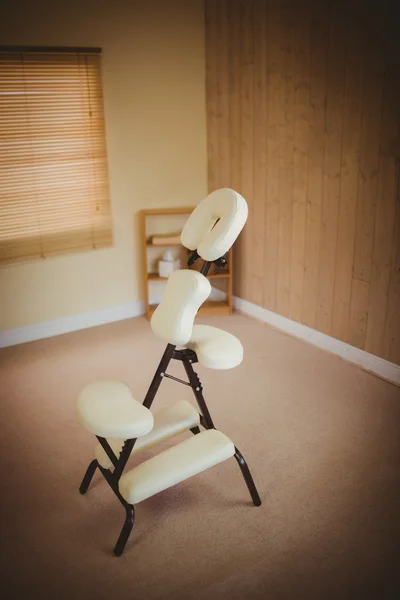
<point x="215" y="223"/>
<point x="124" y="426"/>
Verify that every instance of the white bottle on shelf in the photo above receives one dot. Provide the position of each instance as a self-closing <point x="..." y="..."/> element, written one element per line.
<point x="167" y="265"/>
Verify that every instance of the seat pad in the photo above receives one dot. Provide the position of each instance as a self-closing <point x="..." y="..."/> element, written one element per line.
<point x="215" y="348"/>
<point x="107" y="409"/>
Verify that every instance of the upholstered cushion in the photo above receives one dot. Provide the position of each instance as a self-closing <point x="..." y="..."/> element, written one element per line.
<point x="210" y="238"/>
<point x="215" y="348"/>
<point x="176" y="464"/>
<point x="185" y="292"/>
<point x="168" y="422"/>
<point x="107" y="409"/>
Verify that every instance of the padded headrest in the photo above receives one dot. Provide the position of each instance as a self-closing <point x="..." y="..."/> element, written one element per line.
<point x="210" y="238"/>
<point x="173" y="319"/>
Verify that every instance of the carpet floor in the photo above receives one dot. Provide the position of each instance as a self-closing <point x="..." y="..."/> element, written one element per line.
<point x="321" y="436"/>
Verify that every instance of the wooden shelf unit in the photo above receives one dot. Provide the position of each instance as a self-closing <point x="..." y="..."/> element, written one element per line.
<point x="210" y="307"/>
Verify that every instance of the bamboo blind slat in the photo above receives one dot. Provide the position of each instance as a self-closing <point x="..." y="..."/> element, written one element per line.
<point x="54" y="192"/>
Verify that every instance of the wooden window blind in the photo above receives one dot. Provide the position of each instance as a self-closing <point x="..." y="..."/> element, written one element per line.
<point x="54" y="193"/>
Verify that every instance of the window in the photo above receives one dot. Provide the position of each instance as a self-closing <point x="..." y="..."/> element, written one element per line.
<point x="54" y="195"/>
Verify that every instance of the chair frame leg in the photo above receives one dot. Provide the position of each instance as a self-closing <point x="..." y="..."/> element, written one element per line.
<point x="126" y="530"/>
<point x="112" y="481"/>
<point x="251" y="486"/>
<point x="87" y="478"/>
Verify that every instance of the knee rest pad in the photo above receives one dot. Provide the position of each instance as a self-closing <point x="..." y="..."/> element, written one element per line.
<point x="188" y="458"/>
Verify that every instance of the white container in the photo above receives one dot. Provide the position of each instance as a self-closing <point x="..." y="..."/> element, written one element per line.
<point x="168" y="265"/>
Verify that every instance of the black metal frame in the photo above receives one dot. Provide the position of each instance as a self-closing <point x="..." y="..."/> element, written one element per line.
<point x="188" y="358"/>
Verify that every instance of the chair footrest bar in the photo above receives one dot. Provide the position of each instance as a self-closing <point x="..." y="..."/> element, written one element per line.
<point x="188" y="458"/>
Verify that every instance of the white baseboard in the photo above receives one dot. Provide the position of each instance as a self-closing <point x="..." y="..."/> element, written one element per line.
<point x="370" y="362"/>
<point x="38" y="331"/>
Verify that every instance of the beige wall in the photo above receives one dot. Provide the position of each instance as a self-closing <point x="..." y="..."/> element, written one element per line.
<point x="153" y="75"/>
<point x="303" y="107"/>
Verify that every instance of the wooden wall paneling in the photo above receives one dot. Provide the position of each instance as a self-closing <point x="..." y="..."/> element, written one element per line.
<point x="367" y="190"/>
<point x="350" y="158"/>
<point x="222" y="88"/>
<point x="369" y="152"/>
<point x="305" y="126"/>
<point x="285" y="156"/>
<point x="319" y="50"/>
<point x="335" y="88"/>
<point x="302" y="50"/>
<point x="211" y="27"/>
<point x="358" y="312"/>
<point x="235" y="93"/>
<point x="389" y="162"/>
<point x="271" y="190"/>
<point x="235" y="132"/>
<point x="260" y="150"/>
<point x="391" y="347"/>
<point x="247" y="133"/>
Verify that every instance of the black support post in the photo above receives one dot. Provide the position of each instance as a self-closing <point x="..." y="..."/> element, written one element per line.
<point x="197" y="388"/>
<point x="159" y="374"/>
